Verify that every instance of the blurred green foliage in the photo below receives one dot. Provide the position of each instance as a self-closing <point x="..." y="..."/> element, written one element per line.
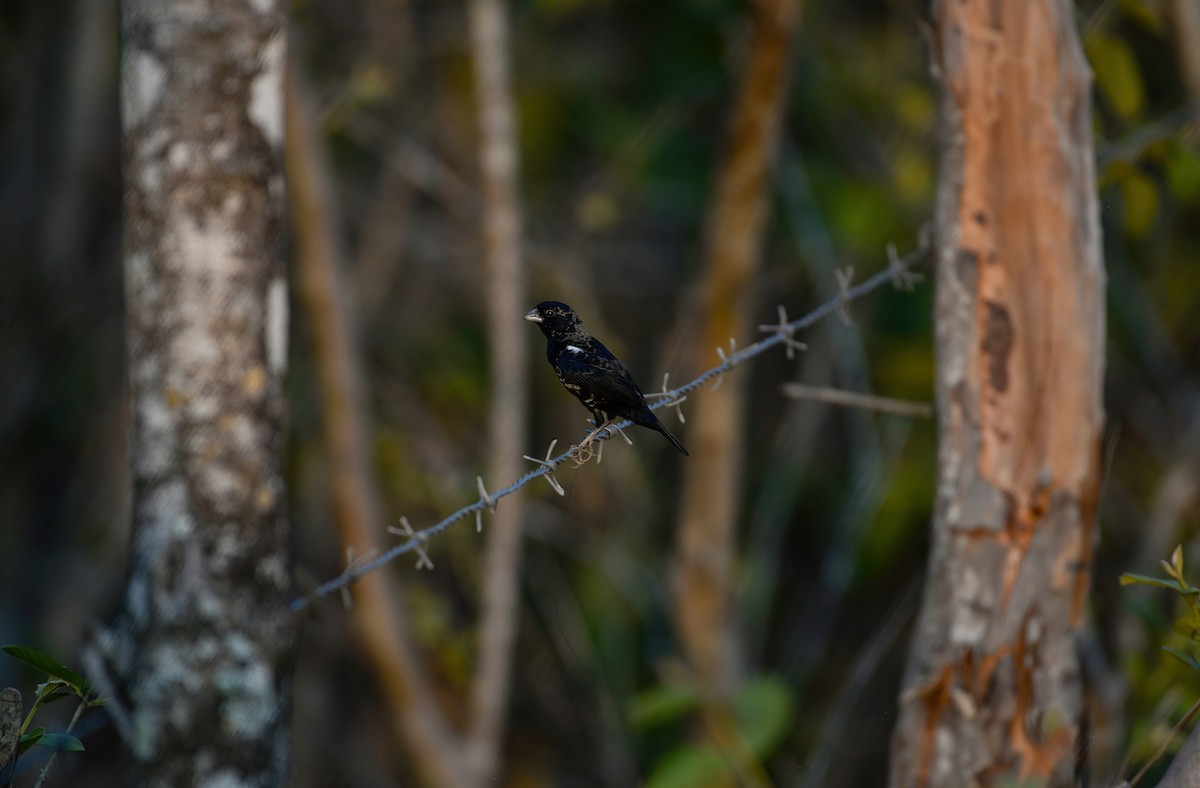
<point x="623" y="108"/>
<point x="1174" y="694"/>
<point x="761" y="720"/>
<point x="1187" y="625"/>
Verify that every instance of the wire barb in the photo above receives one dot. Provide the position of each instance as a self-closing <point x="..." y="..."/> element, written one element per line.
<point x="673" y="400"/>
<point x="902" y="278"/>
<point x="786" y="334"/>
<point x="418" y="540"/>
<point x="488" y="503"/>
<point x="845" y="278"/>
<point x="620" y="432"/>
<point x="727" y="362"/>
<point x="353" y="564"/>
<point x="900" y="268"/>
<point x="549" y="465"/>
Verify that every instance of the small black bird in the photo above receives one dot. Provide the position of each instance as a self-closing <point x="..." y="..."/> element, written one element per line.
<point x="589" y="371"/>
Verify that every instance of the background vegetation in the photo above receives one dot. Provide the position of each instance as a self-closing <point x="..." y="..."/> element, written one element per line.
<point x="622" y="110"/>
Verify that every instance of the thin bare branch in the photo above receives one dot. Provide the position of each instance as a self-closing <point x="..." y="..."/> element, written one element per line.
<point x="417" y="164"/>
<point x="1162" y="748"/>
<point x="508" y="410"/>
<point x="854" y="399"/>
<point x="41" y="780"/>
<point x="1131" y="147"/>
<point x="866" y="664"/>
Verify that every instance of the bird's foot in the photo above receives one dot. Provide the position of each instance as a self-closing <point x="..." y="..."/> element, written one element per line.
<point x="595" y="434"/>
<point x="585" y="451"/>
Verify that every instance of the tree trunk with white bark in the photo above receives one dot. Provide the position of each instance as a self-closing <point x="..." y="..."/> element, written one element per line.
<point x="200" y="655"/>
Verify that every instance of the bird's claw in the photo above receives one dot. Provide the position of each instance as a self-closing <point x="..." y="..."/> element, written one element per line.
<point x="584" y="451"/>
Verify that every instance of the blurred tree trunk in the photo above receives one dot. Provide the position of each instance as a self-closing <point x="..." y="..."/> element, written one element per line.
<point x="203" y="645"/>
<point x="508" y="417"/>
<point x="993" y="687"/>
<point x="1186" y="16"/>
<point x="712" y="484"/>
<point x="380" y="617"/>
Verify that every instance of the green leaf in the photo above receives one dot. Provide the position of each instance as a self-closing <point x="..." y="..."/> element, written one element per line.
<point x="52" y="690"/>
<point x="764" y="712"/>
<point x="1186" y="626"/>
<point x="1116" y="73"/>
<point x="1183" y="174"/>
<point x="1177" y="561"/>
<point x="1183" y="657"/>
<point x="29" y="739"/>
<point x="1129" y="578"/>
<point x="40" y="662"/>
<point x="1145" y="14"/>
<point x="661" y="705"/>
<point x="61" y="742"/>
<point x="1141" y="203"/>
<point x="691" y="767"/>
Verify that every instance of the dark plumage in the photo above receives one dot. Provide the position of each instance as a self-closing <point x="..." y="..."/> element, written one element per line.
<point x="589" y="371"/>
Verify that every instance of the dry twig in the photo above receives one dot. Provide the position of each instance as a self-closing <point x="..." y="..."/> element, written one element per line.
<point x="853" y="399"/>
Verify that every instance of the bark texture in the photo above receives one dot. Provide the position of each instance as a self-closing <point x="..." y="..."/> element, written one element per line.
<point x="711" y="487"/>
<point x="1186" y="16"/>
<point x="993" y="690"/>
<point x="11" y="714"/>
<point x="508" y="409"/>
<point x="201" y="649"/>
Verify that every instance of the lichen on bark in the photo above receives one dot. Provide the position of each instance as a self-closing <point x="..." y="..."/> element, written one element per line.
<point x="200" y="651"/>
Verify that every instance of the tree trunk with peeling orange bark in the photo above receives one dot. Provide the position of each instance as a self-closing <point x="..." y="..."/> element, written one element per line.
<point x="993" y="686"/>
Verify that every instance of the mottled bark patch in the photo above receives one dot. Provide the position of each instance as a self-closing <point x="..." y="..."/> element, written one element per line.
<point x="992" y="687"/>
<point x="201" y="651"/>
<point x="997" y="344"/>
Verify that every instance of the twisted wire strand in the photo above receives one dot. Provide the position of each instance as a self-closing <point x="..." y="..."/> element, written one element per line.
<point x="898" y="272"/>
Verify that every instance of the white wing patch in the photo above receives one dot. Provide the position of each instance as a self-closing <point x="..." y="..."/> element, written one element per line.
<point x="575" y="350"/>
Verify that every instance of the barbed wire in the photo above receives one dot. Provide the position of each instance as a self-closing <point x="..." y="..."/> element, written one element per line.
<point x="898" y="272"/>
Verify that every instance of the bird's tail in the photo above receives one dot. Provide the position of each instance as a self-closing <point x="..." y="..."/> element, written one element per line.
<point x="658" y="425"/>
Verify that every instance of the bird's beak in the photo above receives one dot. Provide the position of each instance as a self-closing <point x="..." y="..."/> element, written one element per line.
<point x="533" y="316"/>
